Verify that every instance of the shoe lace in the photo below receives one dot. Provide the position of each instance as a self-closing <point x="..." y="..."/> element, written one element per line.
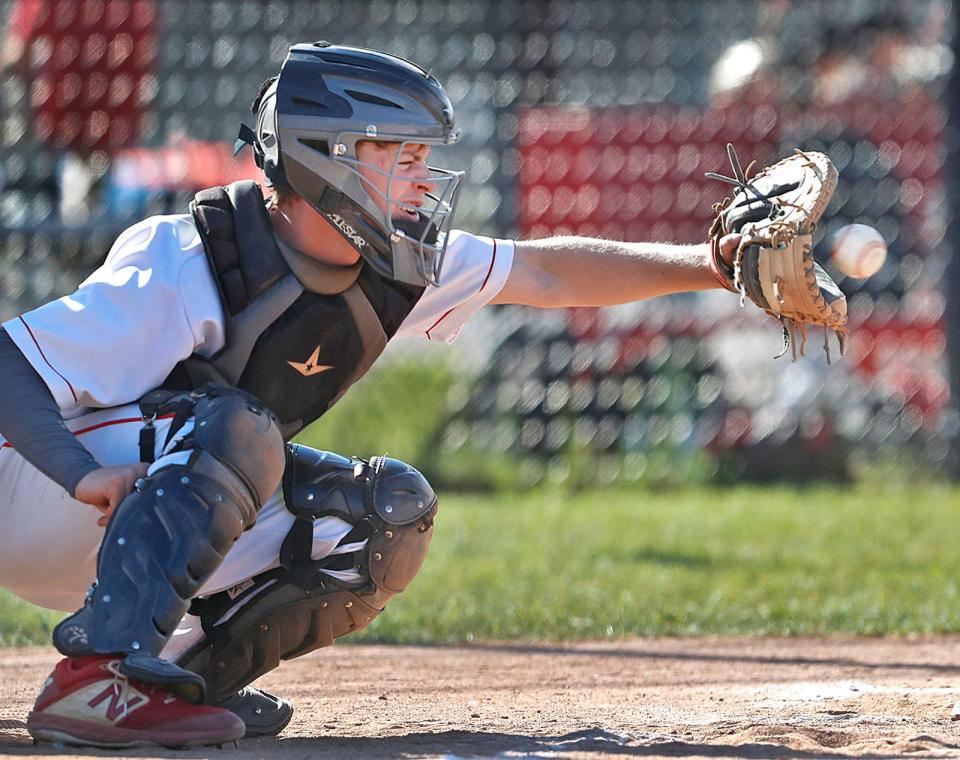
<point x="121" y="684"/>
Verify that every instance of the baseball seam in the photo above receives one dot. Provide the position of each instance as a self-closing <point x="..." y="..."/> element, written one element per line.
<point x="864" y="254"/>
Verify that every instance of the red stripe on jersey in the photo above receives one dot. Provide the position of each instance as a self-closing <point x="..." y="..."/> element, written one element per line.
<point x="493" y="260"/>
<point x="47" y="360"/>
<point x="490" y="270"/>
<point x="438" y="322"/>
<point x="81" y="431"/>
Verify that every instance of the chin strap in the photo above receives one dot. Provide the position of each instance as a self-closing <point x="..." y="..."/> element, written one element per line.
<point x="246" y="136"/>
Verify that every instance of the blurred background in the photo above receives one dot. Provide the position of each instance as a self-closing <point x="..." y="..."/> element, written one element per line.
<point x="586" y="117"/>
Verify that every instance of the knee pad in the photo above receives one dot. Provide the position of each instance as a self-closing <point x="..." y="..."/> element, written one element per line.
<point x="389" y="503"/>
<point x="168" y="536"/>
<point x="234" y="429"/>
<point x="300" y="606"/>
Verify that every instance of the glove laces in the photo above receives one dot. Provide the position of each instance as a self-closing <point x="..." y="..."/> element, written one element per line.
<point x="739" y="178"/>
<point x="779" y="233"/>
<point x="739" y="181"/>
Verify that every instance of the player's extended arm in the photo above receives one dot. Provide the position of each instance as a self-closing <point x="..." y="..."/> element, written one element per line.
<point x="575" y="271"/>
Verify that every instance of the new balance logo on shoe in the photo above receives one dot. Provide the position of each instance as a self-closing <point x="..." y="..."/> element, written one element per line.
<point x="119" y="701"/>
<point x="87" y="701"/>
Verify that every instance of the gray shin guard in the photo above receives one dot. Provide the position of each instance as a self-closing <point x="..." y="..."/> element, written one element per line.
<point x="297" y="608"/>
<point x="166" y="539"/>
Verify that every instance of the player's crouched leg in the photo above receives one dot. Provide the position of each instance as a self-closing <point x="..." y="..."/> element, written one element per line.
<point x="224" y="455"/>
<point x="308" y="603"/>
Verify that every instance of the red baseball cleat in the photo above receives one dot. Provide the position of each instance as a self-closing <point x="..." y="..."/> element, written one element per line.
<point x="86" y="701"/>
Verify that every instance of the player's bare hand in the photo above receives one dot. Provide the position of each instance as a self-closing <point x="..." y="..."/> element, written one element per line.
<point x="107" y="487"/>
<point x="728" y="247"/>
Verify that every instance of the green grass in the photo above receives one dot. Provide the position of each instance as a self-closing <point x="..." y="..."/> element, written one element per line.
<point x="22" y="623"/>
<point x="546" y="566"/>
<point x="399" y="412"/>
<point x="757" y="560"/>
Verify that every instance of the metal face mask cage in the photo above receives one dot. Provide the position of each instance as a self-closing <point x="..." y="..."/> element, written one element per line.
<point x="310" y="118"/>
<point x="426" y="235"/>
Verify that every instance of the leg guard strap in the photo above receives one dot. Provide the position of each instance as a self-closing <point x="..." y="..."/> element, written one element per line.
<point x="278" y="620"/>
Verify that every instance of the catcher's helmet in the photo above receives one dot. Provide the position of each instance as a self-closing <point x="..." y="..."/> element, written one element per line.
<point x="310" y="118"/>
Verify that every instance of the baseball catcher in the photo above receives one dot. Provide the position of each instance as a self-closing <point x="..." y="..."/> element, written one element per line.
<point x="775" y="212"/>
<point x="145" y="419"/>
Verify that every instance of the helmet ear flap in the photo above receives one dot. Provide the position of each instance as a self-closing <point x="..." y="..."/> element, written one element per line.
<point x="266" y="146"/>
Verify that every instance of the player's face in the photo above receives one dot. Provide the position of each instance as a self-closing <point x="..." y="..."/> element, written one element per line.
<point x="410" y="181"/>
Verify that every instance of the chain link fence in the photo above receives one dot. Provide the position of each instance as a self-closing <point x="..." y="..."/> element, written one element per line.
<point x="594" y="118"/>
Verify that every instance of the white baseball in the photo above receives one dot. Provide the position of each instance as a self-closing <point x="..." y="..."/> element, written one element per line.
<point x="858" y="250"/>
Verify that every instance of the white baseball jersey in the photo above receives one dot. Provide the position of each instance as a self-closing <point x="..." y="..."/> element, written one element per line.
<point x="150" y="305"/>
<point x="153" y="303"/>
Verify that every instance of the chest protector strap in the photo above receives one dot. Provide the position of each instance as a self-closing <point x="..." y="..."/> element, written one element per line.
<point x="280" y="305"/>
<point x="255" y="283"/>
<point x="238" y="240"/>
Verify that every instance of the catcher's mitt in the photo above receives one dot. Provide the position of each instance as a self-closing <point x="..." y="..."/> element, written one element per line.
<point x="776" y="211"/>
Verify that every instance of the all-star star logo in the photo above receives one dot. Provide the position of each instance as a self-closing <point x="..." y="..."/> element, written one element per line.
<point x="311" y="366"/>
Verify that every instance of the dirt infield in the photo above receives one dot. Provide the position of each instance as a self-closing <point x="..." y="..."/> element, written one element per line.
<point x="714" y="698"/>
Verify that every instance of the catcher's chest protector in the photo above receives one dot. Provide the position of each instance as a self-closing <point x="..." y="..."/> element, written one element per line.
<point x="298" y="332"/>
